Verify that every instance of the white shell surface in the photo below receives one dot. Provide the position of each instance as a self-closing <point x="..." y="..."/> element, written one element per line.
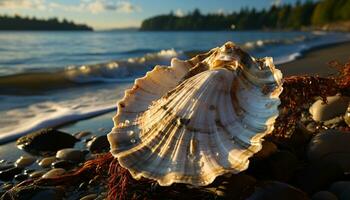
<point x="197" y="119"/>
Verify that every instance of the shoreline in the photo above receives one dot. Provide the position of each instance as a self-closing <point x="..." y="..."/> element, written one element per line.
<point x="312" y="61"/>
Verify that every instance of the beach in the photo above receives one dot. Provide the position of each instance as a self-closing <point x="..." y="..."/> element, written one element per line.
<point x="313" y="61"/>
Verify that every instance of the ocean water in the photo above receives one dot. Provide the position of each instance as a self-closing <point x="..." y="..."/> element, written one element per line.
<point x="51" y="78"/>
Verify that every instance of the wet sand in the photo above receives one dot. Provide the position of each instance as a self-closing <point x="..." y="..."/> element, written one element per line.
<point x="315" y="61"/>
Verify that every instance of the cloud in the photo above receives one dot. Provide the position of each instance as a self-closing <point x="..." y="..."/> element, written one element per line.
<point x="92" y="6"/>
<point x="23" y="4"/>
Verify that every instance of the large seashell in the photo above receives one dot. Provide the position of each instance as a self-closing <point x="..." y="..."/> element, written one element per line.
<point x="197" y="119"/>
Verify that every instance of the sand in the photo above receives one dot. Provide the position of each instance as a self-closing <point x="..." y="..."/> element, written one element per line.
<point x="315" y="61"/>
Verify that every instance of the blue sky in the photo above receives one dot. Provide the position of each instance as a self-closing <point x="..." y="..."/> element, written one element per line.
<point x="106" y="14"/>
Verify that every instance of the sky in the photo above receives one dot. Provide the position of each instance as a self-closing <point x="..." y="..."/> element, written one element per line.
<point x="108" y="14"/>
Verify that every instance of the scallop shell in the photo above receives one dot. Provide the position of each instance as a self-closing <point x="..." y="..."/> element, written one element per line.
<point x="197" y="119"/>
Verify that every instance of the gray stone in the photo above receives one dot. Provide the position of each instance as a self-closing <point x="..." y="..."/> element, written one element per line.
<point x="37" y="174"/>
<point x="53" y="173"/>
<point x="46" y="162"/>
<point x="99" y="144"/>
<point x="8" y="174"/>
<point x="25" y="161"/>
<point x="273" y="190"/>
<point x="46" y="141"/>
<point x="336" y="106"/>
<point x="324" y="195"/>
<point x="70" y="154"/>
<point x="339" y="187"/>
<point x="331" y="146"/>
<point x="89" y="197"/>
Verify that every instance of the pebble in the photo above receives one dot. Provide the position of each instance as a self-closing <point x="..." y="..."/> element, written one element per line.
<point x="347" y="116"/>
<point x="89" y="197"/>
<point x="21" y="177"/>
<point x="5" y="166"/>
<point x="317" y="176"/>
<point x="332" y="146"/>
<point x="82" y="186"/>
<point x="81" y="134"/>
<point x="25" y="161"/>
<point x="99" y="144"/>
<point x="46" y="162"/>
<point x="339" y="187"/>
<point x="324" y="195"/>
<point x="62" y="164"/>
<point x="34" y="193"/>
<point x="37" y="174"/>
<point x="8" y="174"/>
<point x="273" y="190"/>
<point x="70" y="154"/>
<point x="46" y="140"/>
<point x="54" y="173"/>
<point x="336" y="106"/>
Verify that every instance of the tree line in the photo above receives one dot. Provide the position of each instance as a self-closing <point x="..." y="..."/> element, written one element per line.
<point x="25" y="23"/>
<point x="286" y="16"/>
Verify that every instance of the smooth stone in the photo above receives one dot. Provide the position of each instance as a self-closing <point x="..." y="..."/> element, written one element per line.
<point x="324" y="195"/>
<point x="37" y="174"/>
<point x="5" y="166"/>
<point x="336" y="106"/>
<point x="70" y="154"/>
<point x="279" y="166"/>
<point x="237" y="186"/>
<point x="53" y="173"/>
<point x="273" y="190"/>
<point x="347" y="116"/>
<point x="99" y="144"/>
<point x="62" y="164"/>
<point x="46" y="141"/>
<point x="34" y="193"/>
<point x="83" y="186"/>
<point x="28" y="171"/>
<point x="8" y="174"/>
<point x="25" y="161"/>
<point x="21" y="177"/>
<point x="331" y="146"/>
<point x="81" y="134"/>
<point x="317" y="176"/>
<point x="339" y="187"/>
<point x="268" y="148"/>
<point x="46" y="162"/>
<point x="89" y="197"/>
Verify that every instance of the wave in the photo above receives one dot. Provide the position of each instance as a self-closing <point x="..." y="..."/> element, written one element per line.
<point x="118" y="71"/>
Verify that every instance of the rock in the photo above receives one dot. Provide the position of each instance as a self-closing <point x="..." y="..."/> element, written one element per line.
<point x="70" y="154"/>
<point x="339" y="187"/>
<point x="82" y="186"/>
<point x="89" y="197"/>
<point x="46" y="162"/>
<point x="81" y="134"/>
<point x="5" y="166"/>
<point x="268" y="148"/>
<point x="8" y="174"/>
<point x="46" y="140"/>
<point x="273" y="190"/>
<point x="99" y="144"/>
<point x="331" y="146"/>
<point x="237" y="186"/>
<point x="336" y="106"/>
<point x="347" y="116"/>
<point x="21" y="177"/>
<point x="33" y="193"/>
<point x="62" y="164"/>
<point x="279" y="166"/>
<point x="324" y="195"/>
<point x="28" y="171"/>
<point x="54" y="173"/>
<point x="317" y="176"/>
<point x="37" y="174"/>
<point x="25" y="161"/>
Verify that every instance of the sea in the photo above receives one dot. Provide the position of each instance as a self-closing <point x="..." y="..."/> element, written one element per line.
<point x="51" y="78"/>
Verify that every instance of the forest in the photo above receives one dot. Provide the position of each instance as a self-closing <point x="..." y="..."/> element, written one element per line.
<point x="283" y="17"/>
<point x="25" y="23"/>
